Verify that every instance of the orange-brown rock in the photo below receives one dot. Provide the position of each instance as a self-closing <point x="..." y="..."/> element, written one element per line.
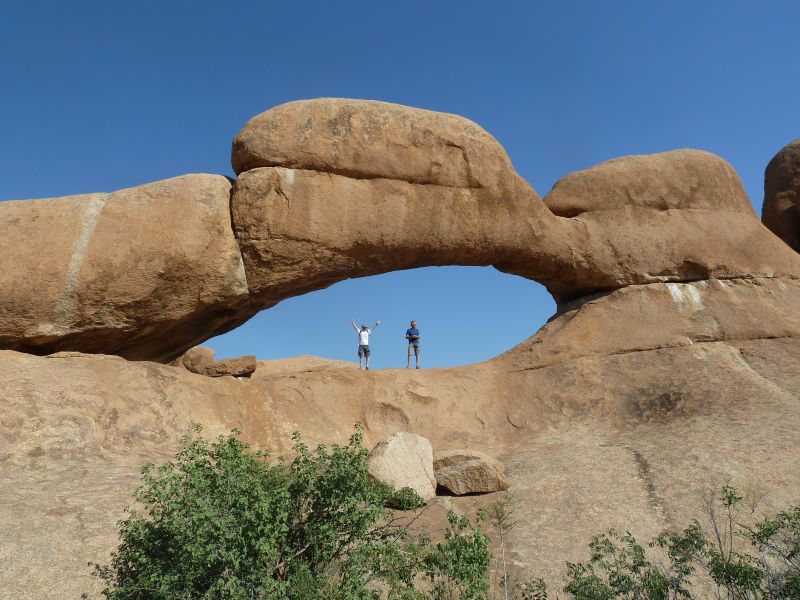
<point x="681" y="179"/>
<point x="404" y="460"/>
<point x="144" y="272"/>
<point x="674" y="216"/>
<point x="304" y="221"/>
<point x="629" y="440"/>
<point x="358" y="188"/>
<point x="201" y="360"/>
<point x="240" y="366"/>
<point x="669" y="368"/>
<point x="781" y="209"/>
<point x="196" y="359"/>
<point x="364" y="139"/>
<point x="469" y="471"/>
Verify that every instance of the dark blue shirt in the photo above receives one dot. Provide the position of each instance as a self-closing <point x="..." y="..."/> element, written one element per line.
<point x="413" y="331"/>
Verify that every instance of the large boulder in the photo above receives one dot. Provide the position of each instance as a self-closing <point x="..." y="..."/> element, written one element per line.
<point x="366" y="139"/>
<point x="469" y="472"/>
<point x="405" y="460"/>
<point x="144" y="272"/>
<point x="680" y="179"/>
<point x="667" y="217"/>
<point x="781" y="209"/>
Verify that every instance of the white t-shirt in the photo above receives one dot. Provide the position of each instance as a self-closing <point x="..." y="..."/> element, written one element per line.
<point x="363" y="337"/>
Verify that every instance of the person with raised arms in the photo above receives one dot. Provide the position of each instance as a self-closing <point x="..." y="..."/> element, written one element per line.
<point x="363" y="342"/>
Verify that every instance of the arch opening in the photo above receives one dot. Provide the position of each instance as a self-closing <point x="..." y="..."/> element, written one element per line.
<point x="465" y="315"/>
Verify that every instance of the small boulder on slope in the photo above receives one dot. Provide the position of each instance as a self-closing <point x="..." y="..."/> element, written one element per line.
<point x="469" y="472"/>
<point x="196" y="359"/>
<point x="404" y="460"/>
<point x="201" y="360"/>
<point x="241" y="366"/>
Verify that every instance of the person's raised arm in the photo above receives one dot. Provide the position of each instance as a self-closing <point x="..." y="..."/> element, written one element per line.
<point x="353" y="323"/>
<point x="374" y="327"/>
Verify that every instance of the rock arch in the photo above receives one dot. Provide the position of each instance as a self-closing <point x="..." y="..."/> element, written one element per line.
<point x="330" y="189"/>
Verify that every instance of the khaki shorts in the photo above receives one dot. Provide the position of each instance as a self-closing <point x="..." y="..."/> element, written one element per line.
<point x="363" y="351"/>
<point x="413" y="348"/>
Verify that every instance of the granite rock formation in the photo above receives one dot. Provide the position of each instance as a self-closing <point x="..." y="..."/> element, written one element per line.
<point x="142" y="272"/>
<point x="669" y="367"/>
<point x="332" y="189"/>
<point x="404" y="460"/>
<point x="781" y="209"/>
<point x="466" y="471"/>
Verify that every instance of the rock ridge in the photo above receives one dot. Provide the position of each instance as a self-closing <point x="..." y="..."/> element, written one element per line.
<point x="150" y="271"/>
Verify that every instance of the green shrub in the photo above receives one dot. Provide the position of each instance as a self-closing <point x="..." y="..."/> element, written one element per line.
<point x="757" y="561"/>
<point x="222" y="521"/>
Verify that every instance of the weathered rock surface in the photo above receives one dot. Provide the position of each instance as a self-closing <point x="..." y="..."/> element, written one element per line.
<point x="304" y="223"/>
<point x="196" y="359"/>
<point x="469" y="472"/>
<point x="201" y="360"/>
<point x="143" y="272"/>
<point x="365" y="139"/>
<point x="240" y="366"/>
<point x="404" y="460"/>
<point x="781" y="209"/>
<point x="680" y="179"/>
<point x="332" y="189"/>
<point x="628" y="440"/>
<point x="670" y="366"/>
<point x="674" y="216"/>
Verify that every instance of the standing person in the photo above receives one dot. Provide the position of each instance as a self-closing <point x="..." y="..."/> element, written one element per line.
<point x="412" y="335"/>
<point x="363" y="341"/>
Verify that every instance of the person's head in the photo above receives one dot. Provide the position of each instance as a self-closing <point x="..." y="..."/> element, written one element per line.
<point x="414" y="324"/>
<point x="364" y="327"/>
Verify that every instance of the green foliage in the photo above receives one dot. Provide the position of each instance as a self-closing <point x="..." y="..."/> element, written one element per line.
<point x="777" y="539"/>
<point x="403" y="499"/>
<point x="536" y="589"/>
<point x="223" y="522"/>
<point x="618" y="569"/>
<point x="769" y="570"/>
<point x="457" y="568"/>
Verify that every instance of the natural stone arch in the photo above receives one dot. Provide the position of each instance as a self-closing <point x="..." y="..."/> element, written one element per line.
<point x="331" y="189"/>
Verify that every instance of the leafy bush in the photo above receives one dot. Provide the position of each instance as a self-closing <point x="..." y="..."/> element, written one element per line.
<point x="741" y="561"/>
<point x="222" y="521"/>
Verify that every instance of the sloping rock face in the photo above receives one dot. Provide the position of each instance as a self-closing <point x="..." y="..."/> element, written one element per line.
<point x="142" y="272"/>
<point x="781" y="208"/>
<point x="629" y="440"/>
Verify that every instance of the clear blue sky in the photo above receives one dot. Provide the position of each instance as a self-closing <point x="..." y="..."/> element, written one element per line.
<point x="98" y="96"/>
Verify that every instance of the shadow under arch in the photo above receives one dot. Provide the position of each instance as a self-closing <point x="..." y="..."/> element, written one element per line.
<point x="465" y="314"/>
